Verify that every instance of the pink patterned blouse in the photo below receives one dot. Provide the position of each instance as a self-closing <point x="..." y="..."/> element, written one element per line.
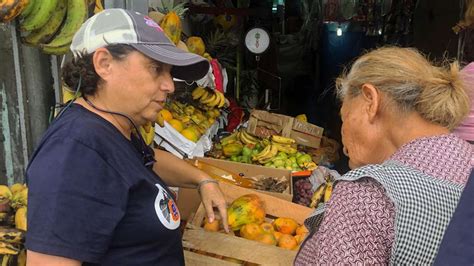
<point x="358" y="226"/>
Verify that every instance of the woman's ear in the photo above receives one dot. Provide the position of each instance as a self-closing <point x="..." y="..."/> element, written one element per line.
<point x="102" y="60"/>
<point x="372" y="99"/>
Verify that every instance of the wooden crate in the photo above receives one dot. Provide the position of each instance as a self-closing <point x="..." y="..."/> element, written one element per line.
<point x="197" y="241"/>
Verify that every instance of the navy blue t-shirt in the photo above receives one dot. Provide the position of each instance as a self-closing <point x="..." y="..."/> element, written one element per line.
<point x="92" y="199"/>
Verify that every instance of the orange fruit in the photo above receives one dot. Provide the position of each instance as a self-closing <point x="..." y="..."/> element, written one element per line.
<point x="277" y="235"/>
<point x="251" y="231"/>
<point x="287" y="242"/>
<point x="300" y="238"/>
<point x="267" y="227"/>
<point x="176" y="124"/>
<point x="190" y="134"/>
<point x="301" y="230"/>
<point x="267" y="238"/>
<point x="167" y="116"/>
<point x="285" y="225"/>
<point x="212" y="227"/>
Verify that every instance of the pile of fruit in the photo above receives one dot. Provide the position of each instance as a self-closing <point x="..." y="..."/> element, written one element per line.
<point x="49" y="25"/>
<point x="189" y="121"/>
<point x="304" y="194"/>
<point x="276" y="151"/>
<point x="13" y="208"/>
<point x="246" y="218"/>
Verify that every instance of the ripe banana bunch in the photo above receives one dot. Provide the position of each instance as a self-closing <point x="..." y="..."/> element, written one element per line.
<point x="53" y="23"/>
<point x="10" y="9"/>
<point x="322" y="193"/>
<point x="266" y="154"/>
<point x="11" y="235"/>
<point x="287" y="145"/>
<point x="247" y="138"/>
<point x="209" y="98"/>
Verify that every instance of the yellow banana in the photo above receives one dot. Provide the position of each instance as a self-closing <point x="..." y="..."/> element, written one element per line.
<point x="212" y="97"/>
<point x="262" y="154"/>
<point x="148" y="133"/>
<point x="222" y="100"/>
<point x="282" y="140"/>
<point x="328" y="192"/>
<point x="285" y="148"/>
<point x="273" y="151"/>
<point x="5" y="192"/>
<point x="39" y="16"/>
<point x="318" y="196"/>
<point x="11" y="235"/>
<point x="198" y="92"/>
<point x="20" y="218"/>
<point x="76" y="14"/>
<point x="21" y="260"/>
<point x="6" y="259"/>
<point x="216" y="101"/>
<point x="246" y="138"/>
<point x="20" y="199"/>
<point x="45" y="33"/>
<point x="160" y="120"/>
<point x="57" y="50"/>
<point x="8" y="249"/>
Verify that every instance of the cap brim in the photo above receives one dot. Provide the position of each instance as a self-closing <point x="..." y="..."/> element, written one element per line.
<point x="186" y="66"/>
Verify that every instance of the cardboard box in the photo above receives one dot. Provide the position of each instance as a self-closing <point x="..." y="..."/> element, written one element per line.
<point x="206" y="248"/>
<point x="170" y="139"/>
<point x="264" y="124"/>
<point x="189" y="200"/>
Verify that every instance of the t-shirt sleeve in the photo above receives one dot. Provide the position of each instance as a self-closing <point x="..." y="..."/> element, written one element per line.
<point x="357" y="228"/>
<point x="76" y="200"/>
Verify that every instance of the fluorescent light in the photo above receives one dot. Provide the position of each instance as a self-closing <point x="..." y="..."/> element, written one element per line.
<point x="339" y="31"/>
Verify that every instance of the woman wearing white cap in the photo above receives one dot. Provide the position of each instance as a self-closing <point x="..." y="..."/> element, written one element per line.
<point x="97" y="194"/>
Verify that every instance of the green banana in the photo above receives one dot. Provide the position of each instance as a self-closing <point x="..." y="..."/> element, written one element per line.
<point x="76" y="15"/>
<point x="28" y="8"/>
<point x="44" y="34"/>
<point x="57" y="50"/>
<point x="39" y="16"/>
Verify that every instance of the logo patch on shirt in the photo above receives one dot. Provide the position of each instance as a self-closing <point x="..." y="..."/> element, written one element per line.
<point x="166" y="209"/>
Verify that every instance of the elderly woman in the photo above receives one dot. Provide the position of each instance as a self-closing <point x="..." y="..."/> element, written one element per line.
<point x="97" y="194"/>
<point x="409" y="170"/>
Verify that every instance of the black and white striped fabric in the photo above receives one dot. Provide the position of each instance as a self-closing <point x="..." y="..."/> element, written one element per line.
<point x="424" y="206"/>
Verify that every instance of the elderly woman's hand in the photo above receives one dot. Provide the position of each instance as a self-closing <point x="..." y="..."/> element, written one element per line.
<point x="211" y="196"/>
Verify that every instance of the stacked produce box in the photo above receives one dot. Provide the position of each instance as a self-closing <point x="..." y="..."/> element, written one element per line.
<point x="264" y="230"/>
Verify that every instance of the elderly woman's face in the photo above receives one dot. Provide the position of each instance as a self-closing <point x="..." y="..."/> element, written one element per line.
<point x="140" y="86"/>
<point x="358" y="135"/>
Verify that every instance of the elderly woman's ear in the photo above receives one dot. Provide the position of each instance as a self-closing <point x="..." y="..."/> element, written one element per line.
<point x="372" y="101"/>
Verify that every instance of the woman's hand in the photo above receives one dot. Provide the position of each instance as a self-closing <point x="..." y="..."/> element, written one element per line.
<point x="211" y="196"/>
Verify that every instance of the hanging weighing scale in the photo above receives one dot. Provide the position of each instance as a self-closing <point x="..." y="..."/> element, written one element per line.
<point x="257" y="41"/>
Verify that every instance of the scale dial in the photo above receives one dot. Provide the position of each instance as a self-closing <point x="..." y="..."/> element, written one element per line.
<point x="257" y="40"/>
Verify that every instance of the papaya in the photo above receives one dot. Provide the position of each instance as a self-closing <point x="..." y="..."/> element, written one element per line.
<point x="171" y="25"/>
<point x="245" y="210"/>
<point x="251" y="231"/>
<point x="230" y="149"/>
<point x="285" y="225"/>
<point x="196" y="45"/>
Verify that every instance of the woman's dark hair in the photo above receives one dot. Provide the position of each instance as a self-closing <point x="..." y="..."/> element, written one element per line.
<point x="83" y="67"/>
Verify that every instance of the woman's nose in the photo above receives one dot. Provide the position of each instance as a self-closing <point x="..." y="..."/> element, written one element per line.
<point x="167" y="83"/>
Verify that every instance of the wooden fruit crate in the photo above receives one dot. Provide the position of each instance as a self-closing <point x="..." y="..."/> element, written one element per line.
<point x="206" y="248"/>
